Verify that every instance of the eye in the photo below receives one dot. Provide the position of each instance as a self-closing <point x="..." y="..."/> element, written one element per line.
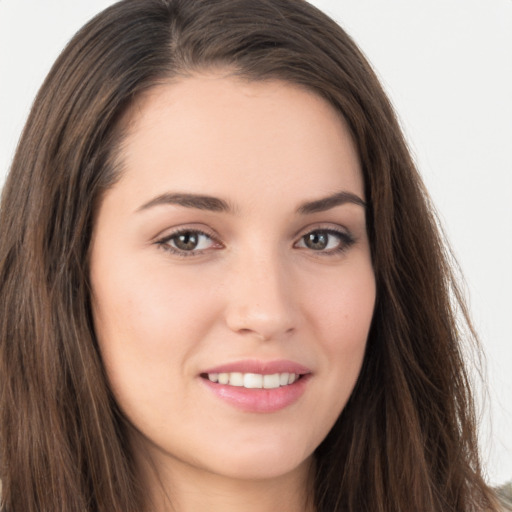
<point x="187" y="242"/>
<point x="325" y="240"/>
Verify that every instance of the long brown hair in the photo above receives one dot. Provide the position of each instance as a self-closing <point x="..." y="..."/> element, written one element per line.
<point x="407" y="438"/>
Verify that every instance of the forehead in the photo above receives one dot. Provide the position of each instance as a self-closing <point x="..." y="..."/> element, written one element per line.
<point x="216" y="130"/>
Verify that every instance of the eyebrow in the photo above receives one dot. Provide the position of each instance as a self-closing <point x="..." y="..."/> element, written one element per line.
<point x="326" y="203"/>
<point x="215" y="204"/>
<point x="199" y="202"/>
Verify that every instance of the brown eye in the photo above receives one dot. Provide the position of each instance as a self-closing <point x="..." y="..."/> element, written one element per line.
<point x="186" y="241"/>
<point x="318" y="240"/>
<point x="322" y="240"/>
<point x="325" y="240"/>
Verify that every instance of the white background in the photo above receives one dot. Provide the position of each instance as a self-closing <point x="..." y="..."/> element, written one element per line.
<point x="447" y="65"/>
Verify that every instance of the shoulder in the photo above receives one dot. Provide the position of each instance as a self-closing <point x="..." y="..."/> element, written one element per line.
<point x="504" y="493"/>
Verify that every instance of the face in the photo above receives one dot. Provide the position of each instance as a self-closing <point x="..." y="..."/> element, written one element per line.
<point x="232" y="283"/>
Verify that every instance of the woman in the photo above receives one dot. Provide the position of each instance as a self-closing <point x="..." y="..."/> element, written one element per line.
<point x="222" y="283"/>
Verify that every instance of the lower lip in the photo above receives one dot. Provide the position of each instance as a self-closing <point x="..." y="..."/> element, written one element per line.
<point x="259" y="400"/>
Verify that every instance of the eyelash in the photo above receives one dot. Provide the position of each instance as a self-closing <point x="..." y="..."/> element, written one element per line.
<point x="346" y="240"/>
<point x="164" y="243"/>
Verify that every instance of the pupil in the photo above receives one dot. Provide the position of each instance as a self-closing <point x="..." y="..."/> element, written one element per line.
<point x="316" y="241"/>
<point x="186" y="241"/>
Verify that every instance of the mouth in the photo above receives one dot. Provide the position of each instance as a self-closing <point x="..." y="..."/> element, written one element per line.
<point x="253" y="380"/>
<point x="258" y="386"/>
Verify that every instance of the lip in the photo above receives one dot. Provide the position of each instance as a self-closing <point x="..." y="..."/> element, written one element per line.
<point x="259" y="400"/>
<point x="263" y="367"/>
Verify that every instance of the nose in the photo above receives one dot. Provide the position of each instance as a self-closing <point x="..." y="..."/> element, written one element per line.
<point x="260" y="301"/>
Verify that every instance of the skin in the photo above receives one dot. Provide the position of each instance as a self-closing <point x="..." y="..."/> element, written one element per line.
<point x="253" y="289"/>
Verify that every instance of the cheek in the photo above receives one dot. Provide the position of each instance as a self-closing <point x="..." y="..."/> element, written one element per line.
<point x="143" y="302"/>
<point x="343" y="308"/>
<point x="146" y="321"/>
<point x="148" y="329"/>
<point x="341" y="316"/>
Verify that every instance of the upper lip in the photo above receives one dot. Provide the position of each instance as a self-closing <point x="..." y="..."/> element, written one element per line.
<point x="260" y="367"/>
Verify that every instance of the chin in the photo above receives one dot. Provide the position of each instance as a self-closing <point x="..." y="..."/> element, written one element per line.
<point x="257" y="460"/>
<point x="265" y="469"/>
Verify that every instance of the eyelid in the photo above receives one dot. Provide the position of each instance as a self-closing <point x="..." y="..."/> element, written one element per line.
<point x="347" y="239"/>
<point x="323" y="226"/>
<point x="163" y="240"/>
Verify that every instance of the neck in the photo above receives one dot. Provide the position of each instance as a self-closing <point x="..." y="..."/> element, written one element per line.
<point x="179" y="487"/>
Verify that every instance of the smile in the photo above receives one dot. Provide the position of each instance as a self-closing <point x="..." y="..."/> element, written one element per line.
<point x="258" y="386"/>
<point x="254" y="380"/>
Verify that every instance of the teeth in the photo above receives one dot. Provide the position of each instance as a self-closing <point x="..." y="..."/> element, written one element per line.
<point x="254" y="380"/>
<point x="283" y="379"/>
<point x="271" y="381"/>
<point x="236" y="379"/>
